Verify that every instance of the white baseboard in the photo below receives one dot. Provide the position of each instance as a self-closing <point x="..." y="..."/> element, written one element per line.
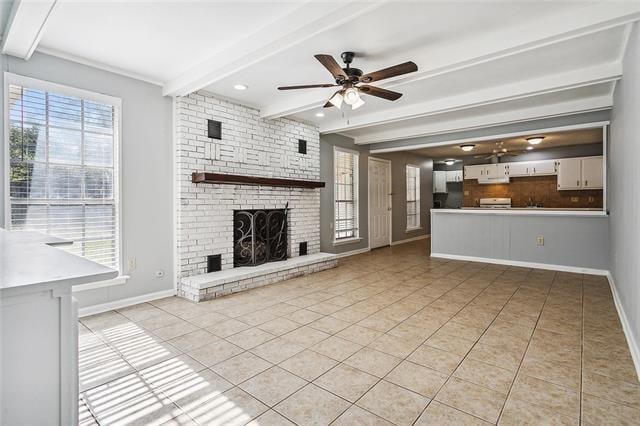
<point x="122" y="303"/>
<point x="353" y="252"/>
<point x="550" y="266"/>
<point x="408" y="240"/>
<point x="631" y="340"/>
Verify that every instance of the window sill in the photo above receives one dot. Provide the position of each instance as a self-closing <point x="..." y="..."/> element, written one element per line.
<point x="347" y="241"/>
<point x="119" y="280"/>
<point x="414" y="228"/>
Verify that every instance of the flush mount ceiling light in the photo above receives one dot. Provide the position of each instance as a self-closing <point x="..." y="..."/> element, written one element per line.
<point x="449" y="162"/>
<point x="467" y="148"/>
<point x="240" y="86"/>
<point x="529" y="148"/>
<point x="319" y="114"/>
<point x="535" y="140"/>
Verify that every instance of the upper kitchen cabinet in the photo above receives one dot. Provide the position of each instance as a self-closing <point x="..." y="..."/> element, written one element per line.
<point x="454" y="175"/>
<point x="473" y="172"/>
<point x="580" y="173"/>
<point x="592" y="173"/>
<point x="531" y="168"/>
<point x="439" y="181"/>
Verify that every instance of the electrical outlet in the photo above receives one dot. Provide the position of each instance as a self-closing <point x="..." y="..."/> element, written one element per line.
<point x="575" y="199"/>
<point x="540" y="241"/>
<point x="466" y="193"/>
<point x="131" y="264"/>
<point x="591" y="199"/>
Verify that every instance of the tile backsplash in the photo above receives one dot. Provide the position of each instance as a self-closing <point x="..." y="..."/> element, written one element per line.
<point x="541" y="189"/>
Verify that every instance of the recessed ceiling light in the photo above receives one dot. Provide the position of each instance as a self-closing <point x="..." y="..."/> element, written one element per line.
<point x="449" y="162"/>
<point x="529" y="148"/>
<point x="320" y="114"/>
<point x="240" y="86"/>
<point x="535" y="140"/>
<point x="467" y="147"/>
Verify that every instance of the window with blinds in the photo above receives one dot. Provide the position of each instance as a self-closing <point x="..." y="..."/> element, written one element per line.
<point x="346" y="194"/>
<point x="413" y="197"/>
<point x="63" y="174"/>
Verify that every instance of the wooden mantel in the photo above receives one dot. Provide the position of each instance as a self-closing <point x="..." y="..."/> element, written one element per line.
<point x="225" y="179"/>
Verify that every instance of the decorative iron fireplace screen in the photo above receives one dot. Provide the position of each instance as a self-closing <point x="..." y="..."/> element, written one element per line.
<point x="259" y="236"/>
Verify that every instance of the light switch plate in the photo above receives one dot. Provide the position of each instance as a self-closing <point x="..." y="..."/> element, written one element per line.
<point x="540" y="241"/>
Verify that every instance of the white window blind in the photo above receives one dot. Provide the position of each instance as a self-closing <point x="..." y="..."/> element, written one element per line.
<point x="413" y="197"/>
<point x="345" y="193"/>
<point x="63" y="174"/>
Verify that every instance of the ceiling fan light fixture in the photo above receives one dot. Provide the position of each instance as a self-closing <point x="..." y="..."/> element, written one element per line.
<point x="336" y="100"/>
<point x="351" y="96"/>
<point x="529" y="148"/>
<point x="358" y="103"/>
<point x="535" y="140"/>
<point x="467" y="147"/>
<point x="449" y="162"/>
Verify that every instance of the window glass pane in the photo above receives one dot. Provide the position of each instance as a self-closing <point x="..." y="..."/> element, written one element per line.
<point x="98" y="183"/>
<point x="98" y="118"/>
<point x="65" y="182"/>
<point x="64" y="146"/>
<point x="28" y="181"/>
<point x="64" y="111"/>
<point x="98" y="149"/>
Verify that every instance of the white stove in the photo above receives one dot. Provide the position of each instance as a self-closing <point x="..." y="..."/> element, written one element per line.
<point x="495" y="203"/>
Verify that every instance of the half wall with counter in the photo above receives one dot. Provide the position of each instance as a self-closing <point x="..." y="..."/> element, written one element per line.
<point x="571" y="240"/>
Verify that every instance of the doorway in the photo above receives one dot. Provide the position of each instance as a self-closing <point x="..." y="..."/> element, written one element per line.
<point x="379" y="202"/>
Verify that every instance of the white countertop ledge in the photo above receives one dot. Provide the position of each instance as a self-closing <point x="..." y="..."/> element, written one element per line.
<point x="524" y="212"/>
<point x="29" y="261"/>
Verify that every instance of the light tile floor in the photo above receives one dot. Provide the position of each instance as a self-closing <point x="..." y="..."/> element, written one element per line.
<point x="388" y="337"/>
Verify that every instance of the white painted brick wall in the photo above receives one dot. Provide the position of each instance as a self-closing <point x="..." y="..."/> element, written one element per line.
<point x="249" y="146"/>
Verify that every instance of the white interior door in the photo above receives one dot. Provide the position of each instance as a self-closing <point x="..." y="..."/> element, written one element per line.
<point x="379" y="203"/>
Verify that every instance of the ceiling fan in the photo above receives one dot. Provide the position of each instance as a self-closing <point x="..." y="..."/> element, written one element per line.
<point x="353" y="81"/>
<point x="498" y="152"/>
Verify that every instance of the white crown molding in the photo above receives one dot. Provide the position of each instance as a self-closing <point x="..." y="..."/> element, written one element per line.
<point x="25" y="27"/>
<point x="98" y="65"/>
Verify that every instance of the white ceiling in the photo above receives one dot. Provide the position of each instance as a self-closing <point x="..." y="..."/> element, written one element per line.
<point x="480" y="62"/>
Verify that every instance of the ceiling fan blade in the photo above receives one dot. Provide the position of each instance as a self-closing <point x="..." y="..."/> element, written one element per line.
<point x="381" y="93"/>
<point x="393" y="71"/>
<point x="328" y="105"/>
<point x="306" y="86"/>
<point x="334" y="68"/>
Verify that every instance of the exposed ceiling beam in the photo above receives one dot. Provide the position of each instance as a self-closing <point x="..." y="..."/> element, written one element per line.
<point x="596" y="103"/>
<point x="504" y="93"/>
<point x="489" y="47"/>
<point x="298" y="26"/>
<point x="25" y="27"/>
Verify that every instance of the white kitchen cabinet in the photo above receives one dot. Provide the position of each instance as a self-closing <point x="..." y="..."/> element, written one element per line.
<point x="503" y="170"/>
<point x="592" y="173"/>
<point x="542" y="168"/>
<point x="490" y="171"/>
<point x="570" y="173"/>
<point x="454" y="175"/>
<point x="439" y="181"/>
<point x="473" y="172"/>
<point x="518" y="169"/>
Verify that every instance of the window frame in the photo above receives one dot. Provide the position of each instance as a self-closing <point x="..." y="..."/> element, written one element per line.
<point x="34" y="83"/>
<point x="356" y="198"/>
<point x="418" y="200"/>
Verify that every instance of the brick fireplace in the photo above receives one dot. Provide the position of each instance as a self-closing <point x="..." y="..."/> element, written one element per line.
<point x="250" y="146"/>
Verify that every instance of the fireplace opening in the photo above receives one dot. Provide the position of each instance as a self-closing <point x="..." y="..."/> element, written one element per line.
<point x="259" y="236"/>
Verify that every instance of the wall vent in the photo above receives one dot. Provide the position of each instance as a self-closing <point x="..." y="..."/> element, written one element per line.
<point x="214" y="129"/>
<point x="302" y="251"/>
<point x="302" y="146"/>
<point x="214" y="263"/>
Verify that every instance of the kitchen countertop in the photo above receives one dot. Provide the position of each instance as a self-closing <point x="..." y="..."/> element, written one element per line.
<point x="525" y="211"/>
<point x="30" y="261"/>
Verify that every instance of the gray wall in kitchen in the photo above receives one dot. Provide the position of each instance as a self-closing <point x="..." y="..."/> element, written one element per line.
<point x="533" y="125"/>
<point x="399" y="161"/>
<point x="147" y="185"/>
<point x="576" y="241"/>
<point x="398" y="181"/>
<point x="624" y="191"/>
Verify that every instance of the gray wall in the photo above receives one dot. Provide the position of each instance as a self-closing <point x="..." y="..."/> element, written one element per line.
<point x="399" y="161"/>
<point x="147" y="164"/>
<point x="624" y="190"/>
<point x="327" y="142"/>
<point x="568" y="240"/>
<point x="398" y="180"/>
